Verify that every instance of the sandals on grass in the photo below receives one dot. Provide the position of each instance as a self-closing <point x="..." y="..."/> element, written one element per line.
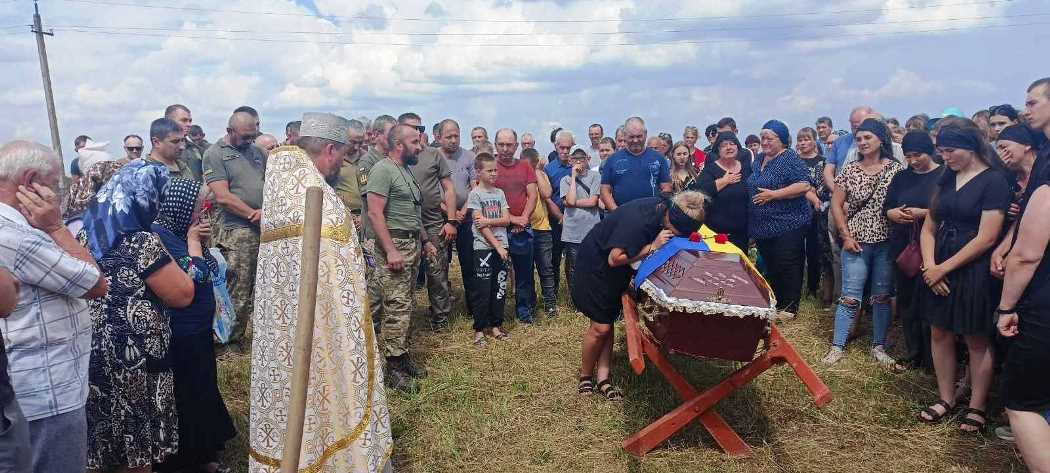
<point x="610" y="392"/>
<point x="934" y="416"/>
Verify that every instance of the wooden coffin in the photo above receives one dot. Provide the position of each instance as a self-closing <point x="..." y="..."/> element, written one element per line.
<point x="707" y="304"/>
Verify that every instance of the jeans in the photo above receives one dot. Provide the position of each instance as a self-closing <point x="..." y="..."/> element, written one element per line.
<point x="489" y="291"/>
<point x="465" y="255"/>
<point x="59" y="442"/>
<point x="836" y="254"/>
<point x="524" y="288"/>
<point x="557" y="249"/>
<point x="542" y="249"/>
<point x="16" y="453"/>
<point x="783" y="258"/>
<point x="872" y="265"/>
<point x="572" y="250"/>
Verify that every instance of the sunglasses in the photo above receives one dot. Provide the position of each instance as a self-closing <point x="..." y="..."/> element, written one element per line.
<point x="133" y="148"/>
<point x="420" y="128"/>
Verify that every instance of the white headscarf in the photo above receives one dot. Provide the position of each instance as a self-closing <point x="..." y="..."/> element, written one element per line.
<point x="93" y="153"/>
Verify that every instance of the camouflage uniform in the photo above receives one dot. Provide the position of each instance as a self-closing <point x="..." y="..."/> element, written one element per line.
<point x="391" y="292"/>
<point x="243" y="170"/>
<point x="192" y="158"/>
<point x="438" y="286"/>
<point x="394" y="295"/>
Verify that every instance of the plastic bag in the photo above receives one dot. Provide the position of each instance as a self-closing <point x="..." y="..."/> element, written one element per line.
<point x="224" y="313"/>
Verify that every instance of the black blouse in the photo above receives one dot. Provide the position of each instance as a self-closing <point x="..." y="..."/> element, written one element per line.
<point x="910" y="189"/>
<point x="729" y="207"/>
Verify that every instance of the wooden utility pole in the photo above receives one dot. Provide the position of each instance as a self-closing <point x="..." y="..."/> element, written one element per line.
<point x="45" y="73"/>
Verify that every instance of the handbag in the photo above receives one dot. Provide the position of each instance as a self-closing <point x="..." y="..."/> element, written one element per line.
<point x="910" y="259"/>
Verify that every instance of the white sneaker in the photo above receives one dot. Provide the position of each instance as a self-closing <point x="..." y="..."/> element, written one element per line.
<point x="879" y="353"/>
<point x="1005" y="433"/>
<point x="834" y="355"/>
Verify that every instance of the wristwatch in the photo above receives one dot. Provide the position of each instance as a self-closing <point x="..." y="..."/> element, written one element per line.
<point x="1005" y="311"/>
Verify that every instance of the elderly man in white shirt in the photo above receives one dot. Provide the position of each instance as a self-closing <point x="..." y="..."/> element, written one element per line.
<point x="48" y="335"/>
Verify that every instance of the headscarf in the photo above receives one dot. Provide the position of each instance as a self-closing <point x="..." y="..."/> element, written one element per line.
<point x="880" y="130"/>
<point x="175" y="217"/>
<point x="918" y="142"/>
<point x="82" y="192"/>
<point x="956" y="138"/>
<point x="93" y="153"/>
<point x="781" y="130"/>
<point x="722" y="138"/>
<point x="1019" y="134"/>
<point x="126" y="204"/>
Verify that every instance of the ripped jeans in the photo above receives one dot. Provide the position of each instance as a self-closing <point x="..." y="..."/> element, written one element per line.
<point x="872" y="265"/>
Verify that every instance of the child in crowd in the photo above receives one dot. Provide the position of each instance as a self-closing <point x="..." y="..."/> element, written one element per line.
<point x="580" y="193"/>
<point x="491" y="213"/>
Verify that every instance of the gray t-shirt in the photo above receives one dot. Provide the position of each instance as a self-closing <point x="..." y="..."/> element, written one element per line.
<point x="462" y="166"/>
<point x="578" y="222"/>
<point x="491" y="204"/>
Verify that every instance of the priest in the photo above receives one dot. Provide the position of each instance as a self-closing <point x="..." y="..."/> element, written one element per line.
<point x="347" y="426"/>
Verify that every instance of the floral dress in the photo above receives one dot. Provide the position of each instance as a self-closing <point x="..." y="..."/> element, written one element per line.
<point x="131" y="408"/>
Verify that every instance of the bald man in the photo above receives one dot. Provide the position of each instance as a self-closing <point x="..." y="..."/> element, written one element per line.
<point x="234" y="170"/>
<point x="266" y="142"/>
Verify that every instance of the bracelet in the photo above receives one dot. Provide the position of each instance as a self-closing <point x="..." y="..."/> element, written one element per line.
<point x="1006" y="311"/>
<point x="453" y="222"/>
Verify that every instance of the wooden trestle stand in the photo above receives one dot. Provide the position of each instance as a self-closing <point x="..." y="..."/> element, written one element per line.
<point x="699" y="404"/>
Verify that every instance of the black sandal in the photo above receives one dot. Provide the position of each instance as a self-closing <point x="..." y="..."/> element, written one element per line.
<point x="934" y="416"/>
<point x="610" y="392"/>
<point x="586" y="386"/>
<point x="978" y="425"/>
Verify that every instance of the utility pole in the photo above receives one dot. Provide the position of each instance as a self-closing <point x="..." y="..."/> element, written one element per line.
<point x="45" y="73"/>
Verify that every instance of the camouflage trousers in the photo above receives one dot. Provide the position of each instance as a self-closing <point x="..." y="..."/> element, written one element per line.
<point x="391" y="294"/>
<point x="240" y="247"/>
<point x="438" y="288"/>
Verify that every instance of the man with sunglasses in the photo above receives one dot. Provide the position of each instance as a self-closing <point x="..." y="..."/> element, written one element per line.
<point x="234" y="170"/>
<point x="133" y="147"/>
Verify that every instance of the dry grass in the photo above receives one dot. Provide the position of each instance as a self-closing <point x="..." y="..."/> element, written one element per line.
<point x="513" y="407"/>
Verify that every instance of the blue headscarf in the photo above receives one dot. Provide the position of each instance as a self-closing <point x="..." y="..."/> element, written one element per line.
<point x="128" y="203"/>
<point x="781" y="130"/>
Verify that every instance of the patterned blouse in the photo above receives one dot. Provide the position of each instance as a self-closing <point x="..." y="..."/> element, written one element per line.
<point x="865" y="195"/>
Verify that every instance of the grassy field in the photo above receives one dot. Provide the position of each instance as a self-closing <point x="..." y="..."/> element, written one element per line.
<point x="513" y="407"/>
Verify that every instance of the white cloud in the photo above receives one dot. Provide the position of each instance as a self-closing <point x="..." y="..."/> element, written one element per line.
<point x="740" y="65"/>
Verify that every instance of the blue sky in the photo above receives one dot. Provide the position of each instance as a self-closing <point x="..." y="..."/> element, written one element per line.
<point x="117" y="63"/>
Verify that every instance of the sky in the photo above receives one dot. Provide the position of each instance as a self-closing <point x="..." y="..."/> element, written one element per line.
<point x="529" y="65"/>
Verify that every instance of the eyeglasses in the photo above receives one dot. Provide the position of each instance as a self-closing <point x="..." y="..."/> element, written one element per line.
<point x="420" y="128"/>
<point x="133" y="148"/>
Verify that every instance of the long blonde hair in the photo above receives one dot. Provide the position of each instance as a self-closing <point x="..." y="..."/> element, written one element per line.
<point x="680" y="184"/>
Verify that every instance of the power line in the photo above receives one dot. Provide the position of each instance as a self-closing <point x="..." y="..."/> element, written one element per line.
<point x="554" y="45"/>
<point x="574" y="33"/>
<point x="500" y="20"/>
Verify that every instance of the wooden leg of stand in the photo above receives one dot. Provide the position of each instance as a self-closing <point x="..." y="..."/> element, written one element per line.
<point x="697" y="405"/>
<point x="783" y="351"/>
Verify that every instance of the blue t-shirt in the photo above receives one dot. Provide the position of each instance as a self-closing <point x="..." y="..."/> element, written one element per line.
<point x="839" y="151"/>
<point x="634" y="177"/>
<point x="779" y="216"/>
<point x="556" y="171"/>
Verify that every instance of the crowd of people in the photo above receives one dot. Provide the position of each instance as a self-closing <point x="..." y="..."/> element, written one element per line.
<point x="108" y="289"/>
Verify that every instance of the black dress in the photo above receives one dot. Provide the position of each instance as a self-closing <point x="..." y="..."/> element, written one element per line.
<point x="727" y="212"/>
<point x="969" y="308"/>
<point x="1026" y="386"/>
<point x="598" y="287"/>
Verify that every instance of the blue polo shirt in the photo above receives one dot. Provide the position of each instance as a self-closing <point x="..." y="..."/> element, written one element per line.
<point x="556" y="171"/>
<point x="634" y="177"/>
<point x="779" y="216"/>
